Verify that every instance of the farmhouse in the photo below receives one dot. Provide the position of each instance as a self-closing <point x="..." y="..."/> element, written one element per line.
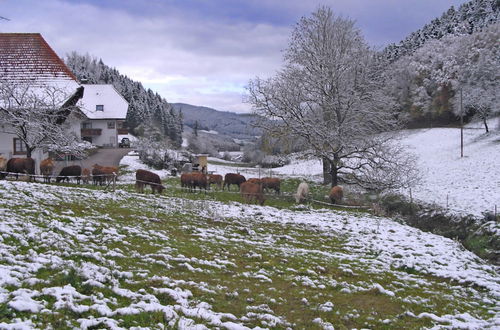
<point x="106" y="111"/>
<point x="28" y="63"/>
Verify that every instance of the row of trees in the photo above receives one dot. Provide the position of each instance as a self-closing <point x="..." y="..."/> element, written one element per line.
<point x="345" y="102"/>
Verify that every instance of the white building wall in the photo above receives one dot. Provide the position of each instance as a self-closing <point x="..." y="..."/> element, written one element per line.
<point x="108" y="137"/>
<point x="7" y="150"/>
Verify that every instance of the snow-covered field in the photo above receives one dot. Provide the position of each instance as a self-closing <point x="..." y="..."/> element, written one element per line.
<point x="469" y="185"/>
<point x="76" y="257"/>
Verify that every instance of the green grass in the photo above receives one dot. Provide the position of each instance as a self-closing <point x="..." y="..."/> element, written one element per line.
<point x="289" y="255"/>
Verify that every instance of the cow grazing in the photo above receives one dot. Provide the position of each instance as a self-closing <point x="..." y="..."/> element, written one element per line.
<point x="97" y="176"/>
<point x="302" y="192"/>
<point x="233" y="178"/>
<point x="20" y="165"/>
<point x="252" y="191"/>
<point x="215" y="179"/>
<point x="336" y="194"/>
<point x="46" y="169"/>
<point x="271" y="183"/>
<point x="106" y="173"/>
<point x="193" y="180"/>
<point x="86" y="175"/>
<point x="145" y="178"/>
<point x="68" y="172"/>
<point x="3" y="167"/>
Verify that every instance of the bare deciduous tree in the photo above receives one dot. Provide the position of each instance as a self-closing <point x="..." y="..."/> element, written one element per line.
<point x="36" y="114"/>
<point x="330" y="94"/>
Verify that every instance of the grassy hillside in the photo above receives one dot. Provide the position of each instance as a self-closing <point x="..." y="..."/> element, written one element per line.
<point x="78" y="257"/>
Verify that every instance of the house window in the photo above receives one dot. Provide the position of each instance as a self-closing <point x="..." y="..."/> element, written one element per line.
<point x="99" y="107"/>
<point x="111" y="125"/>
<point x="19" y="147"/>
<point x="86" y="125"/>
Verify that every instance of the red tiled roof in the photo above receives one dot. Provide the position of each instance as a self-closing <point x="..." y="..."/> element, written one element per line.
<point x="28" y="57"/>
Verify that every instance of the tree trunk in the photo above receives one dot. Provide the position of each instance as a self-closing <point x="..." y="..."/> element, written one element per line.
<point x="327" y="178"/>
<point x="334" y="172"/>
<point x="28" y="151"/>
<point x="485" y="125"/>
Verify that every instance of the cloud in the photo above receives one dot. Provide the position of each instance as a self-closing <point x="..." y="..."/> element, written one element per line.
<point x="199" y="52"/>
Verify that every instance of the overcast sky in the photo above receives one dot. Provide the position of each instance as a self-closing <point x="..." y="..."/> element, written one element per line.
<point x="201" y="52"/>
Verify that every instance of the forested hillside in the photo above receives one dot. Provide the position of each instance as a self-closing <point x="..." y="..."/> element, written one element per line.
<point x="236" y="125"/>
<point x="449" y="67"/>
<point x="145" y="106"/>
<point x="470" y="17"/>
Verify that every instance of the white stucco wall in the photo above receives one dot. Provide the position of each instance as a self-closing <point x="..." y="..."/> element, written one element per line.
<point x="108" y="137"/>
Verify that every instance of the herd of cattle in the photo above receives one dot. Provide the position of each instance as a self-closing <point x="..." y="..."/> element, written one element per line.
<point x="98" y="174"/>
<point x="251" y="190"/>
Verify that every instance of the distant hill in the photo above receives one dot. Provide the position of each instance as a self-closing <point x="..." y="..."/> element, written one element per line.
<point x="235" y="125"/>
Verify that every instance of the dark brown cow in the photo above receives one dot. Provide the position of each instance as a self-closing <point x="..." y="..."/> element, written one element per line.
<point x="145" y="178"/>
<point x="233" y="178"/>
<point x="68" y="172"/>
<point x="215" y="179"/>
<point x="271" y="183"/>
<point x="20" y="165"/>
<point x="98" y="176"/>
<point x="46" y="169"/>
<point x="336" y="194"/>
<point x="252" y="191"/>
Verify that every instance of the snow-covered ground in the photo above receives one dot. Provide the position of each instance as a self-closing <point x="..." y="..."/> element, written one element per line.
<point x="104" y="248"/>
<point x="469" y="185"/>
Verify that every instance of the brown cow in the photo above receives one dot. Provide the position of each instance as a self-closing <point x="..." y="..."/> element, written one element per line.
<point x="254" y="180"/>
<point x="20" y="165"/>
<point x="68" y="172"/>
<point x="86" y="175"/>
<point x="144" y="178"/>
<point x="215" y="179"/>
<point x="105" y="173"/>
<point x="271" y="183"/>
<point x="336" y="194"/>
<point x="233" y="178"/>
<point x="194" y="179"/>
<point x="250" y="191"/>
<point x="46" y="169"/>
<point x="3" y="166"/>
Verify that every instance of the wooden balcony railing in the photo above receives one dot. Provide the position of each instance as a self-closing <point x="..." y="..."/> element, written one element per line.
<point x="91" y="131"/>
<point x="122" y="131"/>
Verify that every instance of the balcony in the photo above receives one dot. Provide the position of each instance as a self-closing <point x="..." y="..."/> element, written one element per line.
<point x="90" y="132"/>
<point x="122" y="131"/>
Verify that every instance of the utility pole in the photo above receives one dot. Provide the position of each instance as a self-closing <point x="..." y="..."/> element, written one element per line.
<point x="461" y="126"/>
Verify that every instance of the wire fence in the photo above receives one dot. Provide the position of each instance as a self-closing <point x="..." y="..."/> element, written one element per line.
<point x="111" y="183"/>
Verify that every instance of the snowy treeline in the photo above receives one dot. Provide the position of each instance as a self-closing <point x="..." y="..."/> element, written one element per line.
<point x="428" y="82"/>
<point x="470" y="17"/>
<point x="145" y="106"/>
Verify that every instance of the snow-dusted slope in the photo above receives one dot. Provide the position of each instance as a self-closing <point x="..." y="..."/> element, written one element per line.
<point x="467" y="185"/>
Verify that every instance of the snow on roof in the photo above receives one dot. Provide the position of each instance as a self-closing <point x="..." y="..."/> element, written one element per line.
<point x="29" y="65"/>
<point x="114" y="106"/>
<point x="26" y="57"/>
